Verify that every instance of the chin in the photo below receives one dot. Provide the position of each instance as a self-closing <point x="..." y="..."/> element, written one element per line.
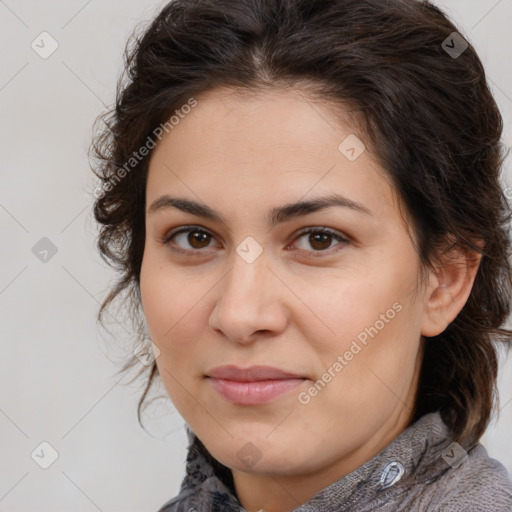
<point x="257" y="454"/>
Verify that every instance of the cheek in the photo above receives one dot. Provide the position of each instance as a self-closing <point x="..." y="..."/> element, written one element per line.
<point x="374" y="327"/>
<point x="169" y="304"/>
<point x="173" y="305"/>
<point x="355" y="306"/>
<point x="165" y="296"/>
<point x="153" y="296"/>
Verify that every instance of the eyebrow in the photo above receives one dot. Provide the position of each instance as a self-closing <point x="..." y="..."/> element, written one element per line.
<point x="275" y="215"/>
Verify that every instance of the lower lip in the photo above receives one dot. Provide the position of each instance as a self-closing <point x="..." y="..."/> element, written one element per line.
<point x="253" y="393"/>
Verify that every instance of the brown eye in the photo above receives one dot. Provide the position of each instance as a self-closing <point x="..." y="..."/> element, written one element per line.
<point x="195" y="238"/>
<point x="320" y="239"/>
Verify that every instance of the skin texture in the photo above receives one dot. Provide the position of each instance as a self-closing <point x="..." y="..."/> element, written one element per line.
<point x="302" y="302"/>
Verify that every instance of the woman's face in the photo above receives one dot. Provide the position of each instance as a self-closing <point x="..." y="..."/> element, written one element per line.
<point x="338" y="309"/>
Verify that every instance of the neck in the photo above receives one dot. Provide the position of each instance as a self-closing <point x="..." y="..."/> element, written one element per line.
<point x="284" y="493"/>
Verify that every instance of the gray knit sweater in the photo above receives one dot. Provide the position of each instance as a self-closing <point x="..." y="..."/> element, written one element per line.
<point x="421" y="470"/>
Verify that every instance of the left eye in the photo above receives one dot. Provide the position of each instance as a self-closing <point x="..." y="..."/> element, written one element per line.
<point x="319" y="239"/>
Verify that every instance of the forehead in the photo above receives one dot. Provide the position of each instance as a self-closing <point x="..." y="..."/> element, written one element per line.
<point x="274" y="144"/>
<point x="242" y="121"/>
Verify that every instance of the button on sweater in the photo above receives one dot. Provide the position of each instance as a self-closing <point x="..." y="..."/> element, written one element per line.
<point x="422" y="470"/>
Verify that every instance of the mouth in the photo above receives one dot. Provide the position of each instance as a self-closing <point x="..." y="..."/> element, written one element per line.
<point x="254" y="385"/>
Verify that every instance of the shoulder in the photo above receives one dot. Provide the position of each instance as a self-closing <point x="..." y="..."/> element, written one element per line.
<point x="478" y="484"/>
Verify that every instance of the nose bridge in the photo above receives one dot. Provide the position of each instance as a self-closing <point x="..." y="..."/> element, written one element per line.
<point x="246" y="282"/>
<point x="247" y="300"/>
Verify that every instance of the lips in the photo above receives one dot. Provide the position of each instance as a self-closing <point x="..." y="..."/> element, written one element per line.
<point x="254" y="385"/>
<point x="251" y="374"/>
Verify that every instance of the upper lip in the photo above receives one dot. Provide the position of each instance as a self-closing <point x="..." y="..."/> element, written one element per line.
<point x="251" y="374"/>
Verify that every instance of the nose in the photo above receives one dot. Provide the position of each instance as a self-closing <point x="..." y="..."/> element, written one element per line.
<point x="249" y="302"/>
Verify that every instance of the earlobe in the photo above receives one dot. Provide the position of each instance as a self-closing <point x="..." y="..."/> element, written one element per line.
<point x="448" y="289"/>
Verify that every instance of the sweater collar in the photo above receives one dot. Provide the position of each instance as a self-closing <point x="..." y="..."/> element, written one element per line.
<point x="208" y="485"/>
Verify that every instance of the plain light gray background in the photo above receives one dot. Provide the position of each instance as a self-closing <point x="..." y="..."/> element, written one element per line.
<point x="59" y="384"/>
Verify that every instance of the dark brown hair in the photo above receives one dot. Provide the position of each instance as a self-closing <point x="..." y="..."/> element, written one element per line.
<point x="426" y="113"/>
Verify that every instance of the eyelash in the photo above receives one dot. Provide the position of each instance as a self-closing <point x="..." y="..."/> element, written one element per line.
<point x="195" y="252"/>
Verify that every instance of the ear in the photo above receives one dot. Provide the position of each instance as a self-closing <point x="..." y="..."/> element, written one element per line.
<point x="448" y="288"/>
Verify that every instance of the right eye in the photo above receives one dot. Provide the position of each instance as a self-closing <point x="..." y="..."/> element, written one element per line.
<point x="194" y="236"/>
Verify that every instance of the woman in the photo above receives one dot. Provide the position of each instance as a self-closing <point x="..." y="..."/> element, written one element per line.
<point x="303" y="200"/>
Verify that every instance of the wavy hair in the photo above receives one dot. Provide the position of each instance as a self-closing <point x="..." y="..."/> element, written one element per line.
<point x="426" y="112"/>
